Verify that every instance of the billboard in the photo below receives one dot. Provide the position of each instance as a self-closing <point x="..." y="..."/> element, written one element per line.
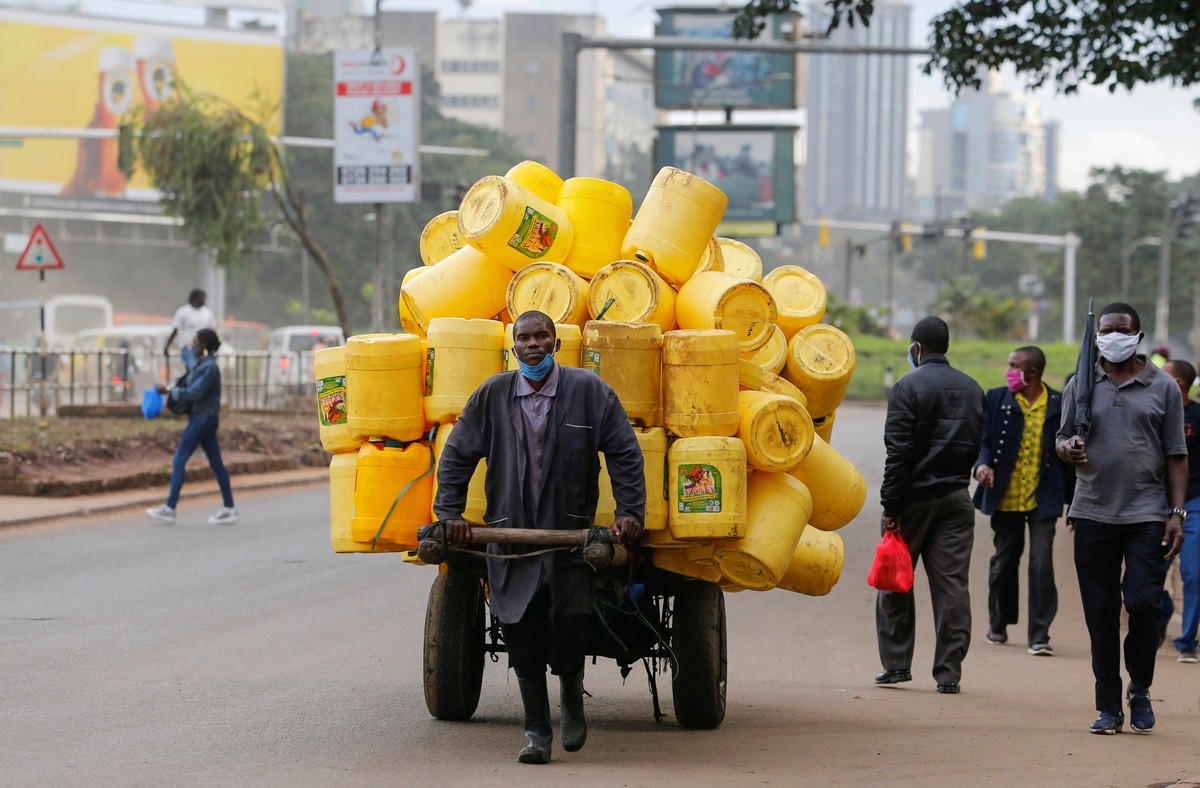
<point x="753" y="165"/>
<point x="69" y="72"/>
<point x="716" y="78"/>
<point x="376" y="121"/>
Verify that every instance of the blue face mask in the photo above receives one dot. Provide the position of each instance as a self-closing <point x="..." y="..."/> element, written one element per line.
<point x="539" y="370"/>
<point x="911" y="361"/>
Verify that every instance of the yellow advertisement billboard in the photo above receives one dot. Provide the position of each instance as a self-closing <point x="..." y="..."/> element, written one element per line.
<point x="69" y="72"/>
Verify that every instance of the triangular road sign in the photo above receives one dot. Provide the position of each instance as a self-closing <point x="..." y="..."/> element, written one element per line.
<point x="40" y="254"/>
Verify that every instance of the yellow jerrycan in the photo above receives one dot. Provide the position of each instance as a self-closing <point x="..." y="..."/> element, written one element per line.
<point x="462" y="354"/>
<point x="776" y="431"/>
<point x="626" y="291"/>
<point x="341" y="503"/>
<point x="706" y="481"/>
<point x="740" y="260"/>
<point x="440" y="238"/>
<point x="476" y="499"/>
<point x="711" y="260"/>
<point x="799" y="295"/>
<point x="816" y="563"/>
<point x="550" y="288"/>
<point x="700" y="383"/>
<point x="329" y="369"/>
<point x="512" y="225"/>
<point x="771" y="356"/>
<point x="838" y="489"/>
<point x="675" y="222"/>
<point x="684" y="562"/>
<point x="392" y="481"/>
<point x="467" y="284"/>
<point x="820" y="362"/>
<point x="627" y="356"/>
<point x="408" y="320"/>
<point x="717" y="300"/>
<point x="824" y="428"/>
<point x="383" y="376"/>
<point x="537" y="178"/>
<point x="599" y="211"/>
<point x="777" y="510"/>
<point x="653" y="443"/>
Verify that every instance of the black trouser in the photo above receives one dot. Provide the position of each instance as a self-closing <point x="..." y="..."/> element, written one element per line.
<point x="540" y="639"/>
<point x="1099" y="551"/>
<point x="940" y="532"/>
<point x="1008" y="537"/>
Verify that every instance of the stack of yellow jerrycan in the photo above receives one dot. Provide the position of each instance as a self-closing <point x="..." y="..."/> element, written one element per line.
<point x="726" y="372"/>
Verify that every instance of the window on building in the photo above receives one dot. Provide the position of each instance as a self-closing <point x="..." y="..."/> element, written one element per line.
<point x="471" y="102"/>
<point x="532" y="68"/>
<point x="471" y="66"/>
<point x="531" y="102"/>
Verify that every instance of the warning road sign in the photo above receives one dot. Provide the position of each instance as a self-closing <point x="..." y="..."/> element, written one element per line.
<point x="40" y="254"/>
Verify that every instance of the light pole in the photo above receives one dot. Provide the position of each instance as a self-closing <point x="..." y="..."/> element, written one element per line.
<point x="1149" y="240"/>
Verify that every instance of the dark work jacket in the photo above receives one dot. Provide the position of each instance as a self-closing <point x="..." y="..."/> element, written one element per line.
<point x="585" y="418"/>
<point x="931" y="434"/>
<point x="1003" y="429"/>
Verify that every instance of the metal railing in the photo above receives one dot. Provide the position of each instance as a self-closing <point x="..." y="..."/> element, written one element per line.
<point x="34" y="382"/>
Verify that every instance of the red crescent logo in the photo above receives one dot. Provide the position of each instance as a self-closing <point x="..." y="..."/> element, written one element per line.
<point x="398" y="65"/>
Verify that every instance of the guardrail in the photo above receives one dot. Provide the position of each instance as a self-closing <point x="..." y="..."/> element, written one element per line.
<point x="34" y="382"/>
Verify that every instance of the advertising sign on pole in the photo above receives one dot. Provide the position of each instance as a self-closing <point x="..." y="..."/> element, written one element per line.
<point x="376" y="121"/>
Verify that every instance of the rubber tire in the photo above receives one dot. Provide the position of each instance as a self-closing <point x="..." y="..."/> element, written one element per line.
<point x="699" y="643"/>
<point x="454" y="635"/>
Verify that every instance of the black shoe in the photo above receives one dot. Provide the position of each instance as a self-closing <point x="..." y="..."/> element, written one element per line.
<point x="538" y="733"/>
<point x="1108" y="724"/>
<point x="997" y="638"/>
<point x="893" y="676"/>
<point x="949" y="688"/>
<point x="1141" y="715"/>
<point x="572" y="723"/>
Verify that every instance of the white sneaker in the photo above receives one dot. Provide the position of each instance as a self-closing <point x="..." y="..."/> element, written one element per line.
<point x="224" y="516"/>
<point x="162" y="513"/>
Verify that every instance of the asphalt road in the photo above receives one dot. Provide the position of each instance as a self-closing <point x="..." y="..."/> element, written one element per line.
<point x="139" y="654"/>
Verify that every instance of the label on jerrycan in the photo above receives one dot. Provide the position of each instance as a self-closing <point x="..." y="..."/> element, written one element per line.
<point x="535" y="235"/>
<point x="331" y="400"/>
<point x="699" y="488"/>
<point x="429" y="372"/>
<point x="591" y="360"/>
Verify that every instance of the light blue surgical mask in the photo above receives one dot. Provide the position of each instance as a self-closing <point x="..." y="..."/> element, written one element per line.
<point x="539" y="370"/>
<point x="913" y="362"/>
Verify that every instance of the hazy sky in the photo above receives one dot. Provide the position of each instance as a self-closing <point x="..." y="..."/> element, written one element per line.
<point x="1154" y="127"/>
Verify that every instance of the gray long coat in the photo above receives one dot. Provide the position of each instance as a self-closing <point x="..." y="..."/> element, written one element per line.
<point x="585" y="418"/>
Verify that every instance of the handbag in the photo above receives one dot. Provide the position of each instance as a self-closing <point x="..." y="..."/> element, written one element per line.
<point x="892" y="569"/>
<point x="152" y="403"/>
<point x="176" y="406"/>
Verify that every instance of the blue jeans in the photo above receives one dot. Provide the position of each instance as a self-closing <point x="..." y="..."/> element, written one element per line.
<point x="200" y="431"/>
<point x="1189" y="572"/>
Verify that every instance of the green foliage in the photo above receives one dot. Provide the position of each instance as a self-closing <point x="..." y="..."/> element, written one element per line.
<point x="854" y="320"/>
<point x="972" y="313"/>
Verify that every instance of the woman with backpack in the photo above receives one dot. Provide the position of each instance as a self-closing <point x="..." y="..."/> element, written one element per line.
<point x="201" y="390"/>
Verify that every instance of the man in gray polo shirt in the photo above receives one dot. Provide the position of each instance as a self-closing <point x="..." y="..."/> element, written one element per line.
<point x="1119" y="512"/>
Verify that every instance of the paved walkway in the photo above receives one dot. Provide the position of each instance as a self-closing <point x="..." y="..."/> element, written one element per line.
<point x="20" y="509"/>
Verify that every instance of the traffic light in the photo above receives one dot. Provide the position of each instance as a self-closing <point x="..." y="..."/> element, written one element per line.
<point x="978" y="245"/>
<point x="823" y="233"/>
<point x="906" y="237"/>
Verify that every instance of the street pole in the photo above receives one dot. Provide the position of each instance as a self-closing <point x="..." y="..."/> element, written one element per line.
<point x="1162" y="311"/>
<point x="1071" y="243"/>
<point x="377" y="274"/>
<point x="891" y="256"/>
<point x="849" y="265"/>
<point x="42" y="341"/>
<point x="568" y="98"/>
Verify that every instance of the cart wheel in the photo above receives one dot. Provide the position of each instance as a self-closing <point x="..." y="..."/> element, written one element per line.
<point x="698" y="641"/>
<point x="454" y="632"/>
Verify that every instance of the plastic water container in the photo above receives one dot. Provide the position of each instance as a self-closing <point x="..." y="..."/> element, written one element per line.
<point x="706" y="481"/>
<point x="776" y="431"/>
<point x="740" y="260"/>
<point x="820" y="362"/>
<point x="383" y="473"/>
<point x="675" y="222"/>
<point x="550" y="288"/>
<point x="512" y="225"/>
<point x="653" y="443"/>
<point x="824" y="427"/>
<point x="599" y="211"/>
<point x="700" y="383"/>
<point x="816" y="564"/>
<point x="683" y="562"/>
<point x="779" y="385"/>
<point x="773" y="355"/>
<point x="570" y="346"/>
<point x="383" y="376"/>
<point x="440" y="238"/>
<point x="799" y="295"/>
<point x="329" y="370"/>
<point x="462" y="354"/>
<point x="627" y="356"/>
<point x="717" y="300"/>
<point x="777" y="510"/>
<point x="341" y="503"/>
<point x="467" y="284"/>
<point x="712" y="259"/>
<point x="838" y="489"/>
<point x="638" y="295"/>
<point x="408" y="320"/>
<point x="537" y="178"/>
<point x="476" y="500"/>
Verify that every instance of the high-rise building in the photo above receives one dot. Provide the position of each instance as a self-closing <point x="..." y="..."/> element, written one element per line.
<point x="857" y="120"/>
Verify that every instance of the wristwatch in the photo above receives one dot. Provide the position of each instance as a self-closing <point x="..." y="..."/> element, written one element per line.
<point x="1182" y="513"/>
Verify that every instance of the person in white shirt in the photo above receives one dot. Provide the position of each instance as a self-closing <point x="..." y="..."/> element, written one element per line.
<point x="190" y="318"/>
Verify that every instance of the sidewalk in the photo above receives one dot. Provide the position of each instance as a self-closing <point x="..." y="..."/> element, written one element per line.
<point x="23" y="509"/>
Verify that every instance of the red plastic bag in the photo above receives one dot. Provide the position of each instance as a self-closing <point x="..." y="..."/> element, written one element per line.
<point x="893" y="566"/>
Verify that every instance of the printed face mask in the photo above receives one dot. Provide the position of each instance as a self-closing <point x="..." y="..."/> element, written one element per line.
<point x="1015" y="378"/>
<point x="1116" y="347"/>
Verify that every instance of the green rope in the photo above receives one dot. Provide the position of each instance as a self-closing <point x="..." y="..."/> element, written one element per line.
<point x="611" y="300"/>
<point x="405" y="489"/>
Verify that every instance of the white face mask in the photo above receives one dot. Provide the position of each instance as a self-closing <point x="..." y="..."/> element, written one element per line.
<point x="1116" y="347"/>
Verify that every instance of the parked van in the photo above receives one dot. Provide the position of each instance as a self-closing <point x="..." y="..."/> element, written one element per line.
<point x="289" y="359"/>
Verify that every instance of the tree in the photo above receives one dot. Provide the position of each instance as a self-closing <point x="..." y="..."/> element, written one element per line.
<point x="1115" y="43"/>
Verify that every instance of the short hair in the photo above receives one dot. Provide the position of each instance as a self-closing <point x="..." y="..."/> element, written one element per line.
<point x="1036" y="356"/>
<point x="933" y="334"/>
<point x="533" y="314"/>
<point x="1121" y="308"/>
<point x="209" y="340"/>
<point x="196" y="295"/>
<point x="1182" y="370"/>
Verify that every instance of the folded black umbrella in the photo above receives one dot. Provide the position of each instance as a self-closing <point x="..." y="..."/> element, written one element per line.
<point x="1084" y="375"/>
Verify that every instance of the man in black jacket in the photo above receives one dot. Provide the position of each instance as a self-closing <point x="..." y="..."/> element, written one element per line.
<point x="1022" y="482"/>
<point x="932" y="438"/>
